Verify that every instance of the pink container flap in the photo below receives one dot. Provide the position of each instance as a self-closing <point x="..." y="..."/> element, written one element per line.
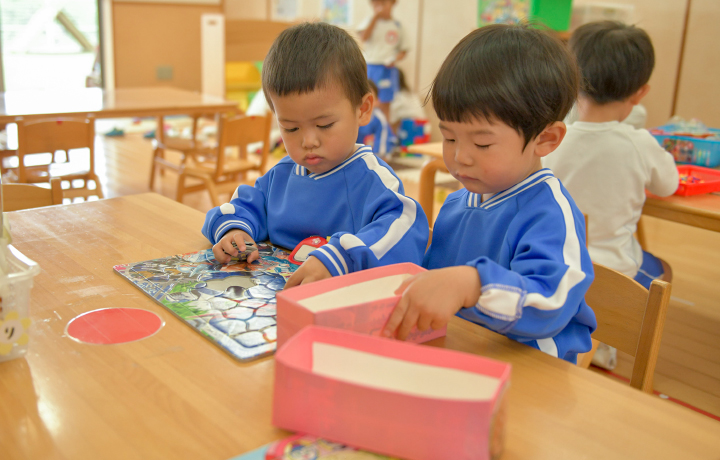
<point x="366" y="317"/>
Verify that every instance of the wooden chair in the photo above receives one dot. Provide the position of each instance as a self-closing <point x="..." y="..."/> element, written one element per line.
<point x="50" y="136"/>
<point x="219" y="170"/>
<point x="27" y="196"/>
<point x="630" y="318"/>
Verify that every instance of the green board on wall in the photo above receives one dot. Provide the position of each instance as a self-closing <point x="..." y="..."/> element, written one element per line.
<point x="555" y="14"/>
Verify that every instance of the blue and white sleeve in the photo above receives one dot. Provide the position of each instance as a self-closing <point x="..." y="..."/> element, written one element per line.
<point x="395" y="229"/>
<point x="246" y="211"/>
<point x="549" y="273"/>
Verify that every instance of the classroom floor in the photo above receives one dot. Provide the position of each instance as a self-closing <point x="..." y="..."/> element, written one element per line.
<point x="688" y="368"/>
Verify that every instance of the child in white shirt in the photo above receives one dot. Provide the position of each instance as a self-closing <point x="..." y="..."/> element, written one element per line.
<point x="606" y="164"/>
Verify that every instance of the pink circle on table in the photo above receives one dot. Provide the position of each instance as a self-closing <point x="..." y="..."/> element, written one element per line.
<point x="113" y="325"/>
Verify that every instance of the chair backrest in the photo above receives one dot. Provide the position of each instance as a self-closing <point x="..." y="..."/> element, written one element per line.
<point x="630" y="318"/>
<point x="53" y="134"/>
<point x="241" y="130"/>
<point x="27" y="196"/>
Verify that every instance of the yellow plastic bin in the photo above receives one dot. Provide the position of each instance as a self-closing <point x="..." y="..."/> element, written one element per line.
<point x="16" y="281"/>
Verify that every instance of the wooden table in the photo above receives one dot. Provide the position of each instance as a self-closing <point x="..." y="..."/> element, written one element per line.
<point x="701" y="211"/>
<point x="119" y="103"/>
<point x="176" y="395"/>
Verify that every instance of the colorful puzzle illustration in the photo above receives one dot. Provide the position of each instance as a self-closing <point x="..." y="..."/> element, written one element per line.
<point x="304" y="447"/>
<point x="231" y="304"/>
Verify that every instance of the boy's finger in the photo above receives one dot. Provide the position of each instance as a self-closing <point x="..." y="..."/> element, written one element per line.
<point x="395" y="318"/>
<point x="255" y="255"/>
<point x="219" y="254"/>
<point x="226" y="245"/>
<point x="404" y="285"/>
<point x="294" y="280"/>
<point x="410" y="320"/>
<point x="239" y="241"/>
<point x="438" y="323"/>
<point x="424" y="322"/>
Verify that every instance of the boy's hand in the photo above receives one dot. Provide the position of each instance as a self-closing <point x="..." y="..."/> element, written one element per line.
<point x="224" y="250"/>
<point x="431" y="298"/>
<point x="311" y="270"/>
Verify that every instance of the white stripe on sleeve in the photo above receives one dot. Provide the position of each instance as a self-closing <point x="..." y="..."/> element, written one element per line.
<point x="402" y="224"/>
<point x="339" y="256"/>
<point x="571" y="257"/>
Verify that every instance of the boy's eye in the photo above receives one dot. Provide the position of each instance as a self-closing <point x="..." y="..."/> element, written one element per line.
<point x="449" y="140"/>
<point x="290" y="130"/>
<point x="326" y="126"/>
<point x="482" y="146"/>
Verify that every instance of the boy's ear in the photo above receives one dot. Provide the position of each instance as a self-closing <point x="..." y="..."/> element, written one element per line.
<point x="365" y="109"/>
<point x="549" y="139"/>
<point x="639" y="94"/>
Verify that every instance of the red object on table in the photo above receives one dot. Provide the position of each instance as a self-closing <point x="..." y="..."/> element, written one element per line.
<point x="707" y="180"/>
<point x="113" y="325"/>
<point x="301" y="251"/>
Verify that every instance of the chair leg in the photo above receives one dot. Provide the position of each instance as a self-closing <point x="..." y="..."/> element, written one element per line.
<point x="98" y="187"/>
<point x="180" y="187"/>
<point x="212" y="191"/>
<point x="154" y="166"/>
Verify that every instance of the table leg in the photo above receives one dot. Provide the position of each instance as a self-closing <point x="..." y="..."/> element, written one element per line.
<point x="427" y="186"/>
<point x="158" y="151"/>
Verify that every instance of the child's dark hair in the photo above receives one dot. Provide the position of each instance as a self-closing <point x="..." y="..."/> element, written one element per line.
<point x="516" y="74"/>
<point x="314" y="55"/>
<point x="615" y="59"/>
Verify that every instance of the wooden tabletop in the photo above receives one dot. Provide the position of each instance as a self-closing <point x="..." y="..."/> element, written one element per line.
<point x="701" y="211"/>
<point x="176" y="395"/>
<point x="127" y="102"/>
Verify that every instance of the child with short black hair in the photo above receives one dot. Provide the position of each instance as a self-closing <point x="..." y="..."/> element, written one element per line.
<point x="314" y="78"/>
<point x="607" y="164"/>
<point x="508" y="250"/>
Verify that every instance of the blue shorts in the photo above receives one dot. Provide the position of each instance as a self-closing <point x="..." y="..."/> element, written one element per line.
<point x="650" y="269"/>
<point x="387" y="80"/>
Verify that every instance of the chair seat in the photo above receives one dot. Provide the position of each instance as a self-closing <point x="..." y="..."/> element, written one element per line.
<point x="232" y="166"/>
<point x="182" y="144"/>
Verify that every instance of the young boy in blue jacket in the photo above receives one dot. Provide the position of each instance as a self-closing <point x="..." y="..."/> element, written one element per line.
<point x="314" y="78"/>
<point x="508" y="250"/>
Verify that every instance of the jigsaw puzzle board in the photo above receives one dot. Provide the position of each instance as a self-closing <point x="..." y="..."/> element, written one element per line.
<point x="233" y="304"/>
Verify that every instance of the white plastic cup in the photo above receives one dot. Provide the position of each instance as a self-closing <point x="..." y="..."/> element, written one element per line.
<point x="16" y="281"/>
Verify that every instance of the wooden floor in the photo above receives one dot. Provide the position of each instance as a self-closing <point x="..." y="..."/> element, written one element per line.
<point x="689" y="364"/>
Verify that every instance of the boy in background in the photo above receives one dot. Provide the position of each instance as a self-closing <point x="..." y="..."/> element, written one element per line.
<point x="315" y="81"/>
<point x="378" y="131"/>
<point x="606" y="164"/>
<point x="508" y="250"/>
<point x="384" y="45"/>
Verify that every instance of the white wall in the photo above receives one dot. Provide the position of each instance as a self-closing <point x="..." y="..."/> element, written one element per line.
<point x="434" y="27"/>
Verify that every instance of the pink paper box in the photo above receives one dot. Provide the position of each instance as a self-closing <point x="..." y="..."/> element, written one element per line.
<point x="391" y="397"/>
<point x="360" y="302"/>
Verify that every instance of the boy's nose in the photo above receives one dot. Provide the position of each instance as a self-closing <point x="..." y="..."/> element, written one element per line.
<point x="310" y="141"/>
<point x="462" y="155"/>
